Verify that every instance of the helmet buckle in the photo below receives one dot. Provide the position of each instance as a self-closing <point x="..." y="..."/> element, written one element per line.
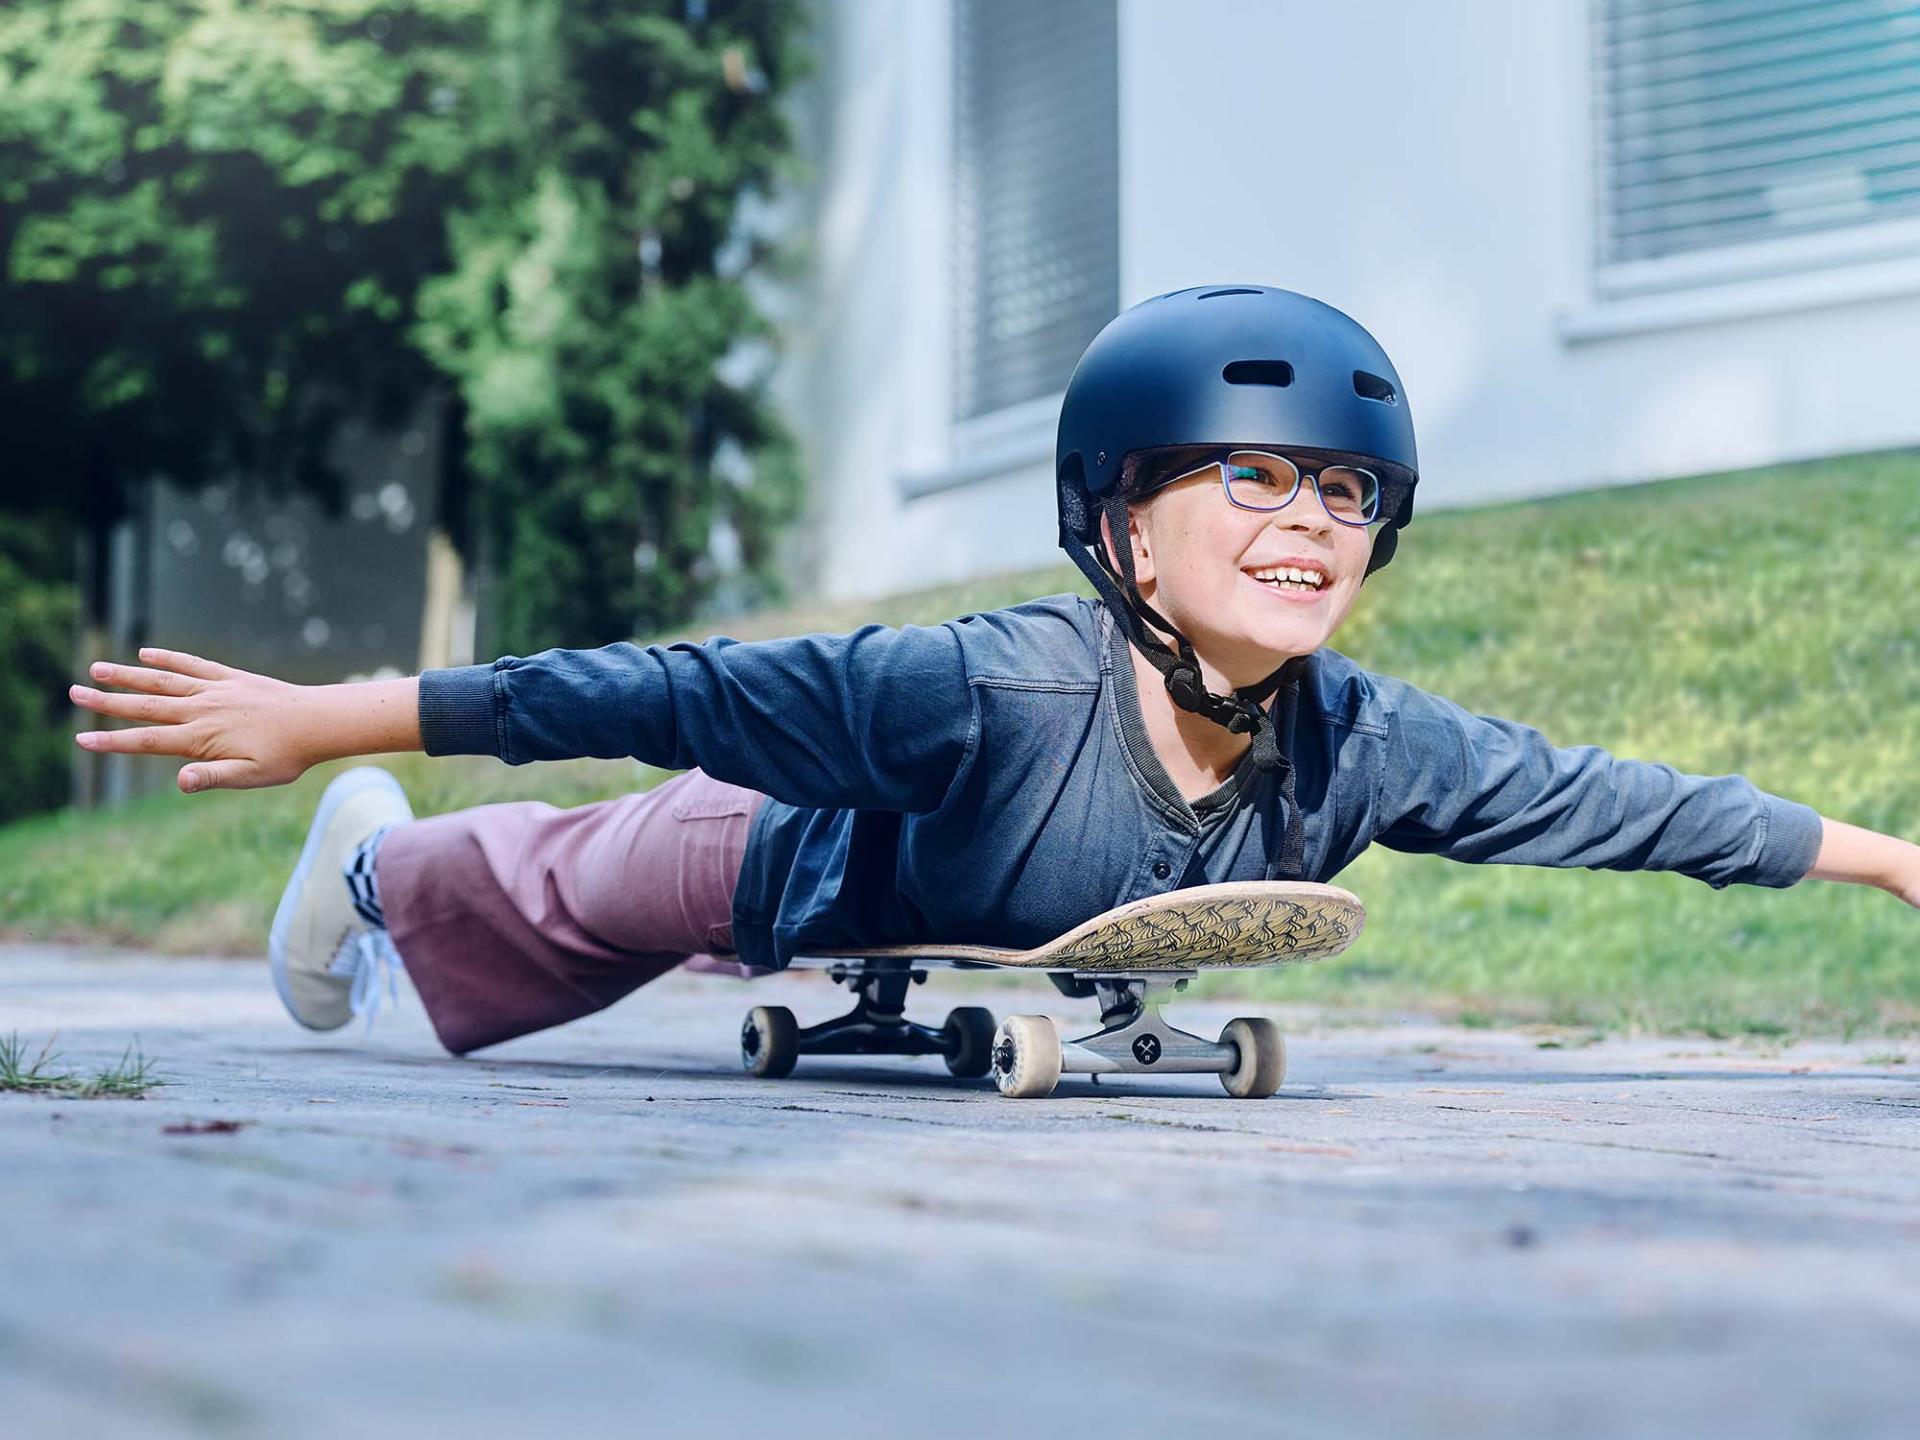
<point x="1183" y="684"/>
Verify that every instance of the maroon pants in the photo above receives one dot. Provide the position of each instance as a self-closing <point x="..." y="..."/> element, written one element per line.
<point x="512" y="918"/>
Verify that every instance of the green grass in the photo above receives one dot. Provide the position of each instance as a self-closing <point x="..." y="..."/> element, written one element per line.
<point x="128" y="1078"/>
<point x="201" y="874"/>
<point x="1765" y="623"/>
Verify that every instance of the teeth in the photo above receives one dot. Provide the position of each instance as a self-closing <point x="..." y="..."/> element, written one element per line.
<point x="1288" y="574"/>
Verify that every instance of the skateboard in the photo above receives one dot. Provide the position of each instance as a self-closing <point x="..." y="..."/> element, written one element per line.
<point x="1131" y="959"/>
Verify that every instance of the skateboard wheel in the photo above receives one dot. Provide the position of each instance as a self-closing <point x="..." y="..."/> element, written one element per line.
<point x="1026" y="1057"/>
<point x="770" y="1041"/>
<point x="969" y="1033"/>
<point x="1262" y="1062"/>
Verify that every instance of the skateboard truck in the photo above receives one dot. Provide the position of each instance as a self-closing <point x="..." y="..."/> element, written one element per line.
<point x="1134" y="1038"/>
<point x="772" y="1040"/>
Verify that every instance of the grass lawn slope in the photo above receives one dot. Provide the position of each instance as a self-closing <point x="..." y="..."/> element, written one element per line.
<point x="1765" y="623"/>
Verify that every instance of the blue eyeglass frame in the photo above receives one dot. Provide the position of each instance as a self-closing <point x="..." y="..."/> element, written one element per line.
<point x="1300" y="473"/>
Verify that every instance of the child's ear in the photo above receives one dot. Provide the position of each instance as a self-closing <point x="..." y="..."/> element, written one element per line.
<point x="1137" y="537"/>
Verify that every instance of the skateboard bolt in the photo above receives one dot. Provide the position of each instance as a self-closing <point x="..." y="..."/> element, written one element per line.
<point x="750" y="1038"/>
<point x="1003" y="1057"/>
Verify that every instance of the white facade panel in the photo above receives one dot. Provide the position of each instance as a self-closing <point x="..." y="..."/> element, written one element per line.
<point x="1428" y="168"/>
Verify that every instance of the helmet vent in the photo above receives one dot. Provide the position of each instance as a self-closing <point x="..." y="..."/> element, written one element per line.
<point x="1237" y="290"/>
<point x="1257" y="372"/>
<point x="1372" y="387"/>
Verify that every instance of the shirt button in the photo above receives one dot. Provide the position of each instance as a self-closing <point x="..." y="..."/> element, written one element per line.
<point x="1161" y="870"/>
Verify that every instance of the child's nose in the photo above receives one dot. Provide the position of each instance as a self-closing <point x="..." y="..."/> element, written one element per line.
<point x="1304" y="512"/>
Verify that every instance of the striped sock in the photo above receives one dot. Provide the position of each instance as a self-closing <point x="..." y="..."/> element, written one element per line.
<point x="362" y="884"/>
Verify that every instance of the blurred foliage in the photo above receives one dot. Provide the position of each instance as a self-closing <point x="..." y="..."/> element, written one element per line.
<point x="37" y="607"/>
<point x="215" y="218"/>
<point x="596" y="319"/>
<point x="227" y="226"/>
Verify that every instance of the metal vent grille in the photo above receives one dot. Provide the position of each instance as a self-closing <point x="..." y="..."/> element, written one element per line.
<point x="1726" y="122"/>
<point x="1037" y="171"/>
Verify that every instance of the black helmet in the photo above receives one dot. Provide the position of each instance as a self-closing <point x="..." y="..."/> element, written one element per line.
<point x="1222" y="365"/>
<point x="1233" y="365"/>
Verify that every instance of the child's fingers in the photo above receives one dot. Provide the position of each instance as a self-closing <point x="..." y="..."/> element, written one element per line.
<point x="149" y="682"/>
<point x="186" y="664"/>
<point x="146" y="740"/>
<point x="157" y="709"/>
<point x="219" y="775"/>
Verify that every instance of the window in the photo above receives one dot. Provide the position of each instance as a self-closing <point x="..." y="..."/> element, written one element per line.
<point x="1037" y="216"/>
<point x="1754" y="136"/>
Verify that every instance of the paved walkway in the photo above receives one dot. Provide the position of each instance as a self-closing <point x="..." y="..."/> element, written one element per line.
<point x="607" y="1230"/>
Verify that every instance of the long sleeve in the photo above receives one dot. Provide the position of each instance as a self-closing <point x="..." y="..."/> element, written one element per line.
<point x="1484" y="790"/>
<point x="878" y="719"/>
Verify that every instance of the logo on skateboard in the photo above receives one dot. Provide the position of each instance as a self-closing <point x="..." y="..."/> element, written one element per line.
<point x="1147" y="1049"/>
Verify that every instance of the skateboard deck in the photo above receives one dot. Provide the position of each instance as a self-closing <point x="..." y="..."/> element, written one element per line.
<point x="1234" y="926"/>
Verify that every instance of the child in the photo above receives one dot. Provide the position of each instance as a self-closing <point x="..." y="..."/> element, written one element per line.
<point x="1233" y="462"/>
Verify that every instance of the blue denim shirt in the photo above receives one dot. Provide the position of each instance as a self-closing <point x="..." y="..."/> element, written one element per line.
<point x="990" y="779"/>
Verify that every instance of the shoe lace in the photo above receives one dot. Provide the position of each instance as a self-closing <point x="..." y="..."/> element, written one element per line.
<point x="367" y="957"/>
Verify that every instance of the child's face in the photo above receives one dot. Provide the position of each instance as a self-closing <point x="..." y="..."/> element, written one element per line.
<point x="1194" y="553"/>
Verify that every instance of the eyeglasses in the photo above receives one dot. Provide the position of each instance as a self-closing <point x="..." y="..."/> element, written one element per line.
<point x="1261" y="480"/>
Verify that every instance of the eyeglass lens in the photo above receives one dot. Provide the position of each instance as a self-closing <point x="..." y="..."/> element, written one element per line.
<point x="1260" y="481"/>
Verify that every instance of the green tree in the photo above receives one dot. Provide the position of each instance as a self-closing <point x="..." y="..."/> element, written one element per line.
<point x="221" y="222"/>
<point x="227" y="226"/>
<point x="215" y="218"/>
<point x="597" y="318"/>
<point x="37" y="608"/>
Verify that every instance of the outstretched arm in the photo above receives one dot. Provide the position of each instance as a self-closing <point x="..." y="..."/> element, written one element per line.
<point x="238" y="730"/>
<point x="1486" y="790"/>
<point x="878" y="719"/>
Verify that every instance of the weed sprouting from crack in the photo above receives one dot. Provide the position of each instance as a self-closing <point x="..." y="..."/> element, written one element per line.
<point x="18" y="1073"/>
<point x="128" y="1078"/>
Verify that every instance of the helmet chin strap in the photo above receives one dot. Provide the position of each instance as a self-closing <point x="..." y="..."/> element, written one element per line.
<point x="1241" y="713"/>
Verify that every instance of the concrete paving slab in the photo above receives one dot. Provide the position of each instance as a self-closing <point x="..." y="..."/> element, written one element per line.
<point x="608" y="1230"/>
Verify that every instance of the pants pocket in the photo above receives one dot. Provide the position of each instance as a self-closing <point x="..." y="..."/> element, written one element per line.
<point x="701" y="802"/>
<point x="704" y="798"/>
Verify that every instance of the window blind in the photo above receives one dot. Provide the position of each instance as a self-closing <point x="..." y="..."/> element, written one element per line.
<point x="1037" y="174"/>
<point x="1731" y="121"/>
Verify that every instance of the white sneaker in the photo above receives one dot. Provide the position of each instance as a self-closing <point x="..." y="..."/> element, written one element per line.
<point x="327" y="962"/>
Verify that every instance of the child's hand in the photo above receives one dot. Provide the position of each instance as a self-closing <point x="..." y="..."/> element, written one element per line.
<point x="240" y="730"/>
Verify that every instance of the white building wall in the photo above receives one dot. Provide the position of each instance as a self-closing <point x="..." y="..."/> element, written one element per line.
<point x="1425" y="167"/>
